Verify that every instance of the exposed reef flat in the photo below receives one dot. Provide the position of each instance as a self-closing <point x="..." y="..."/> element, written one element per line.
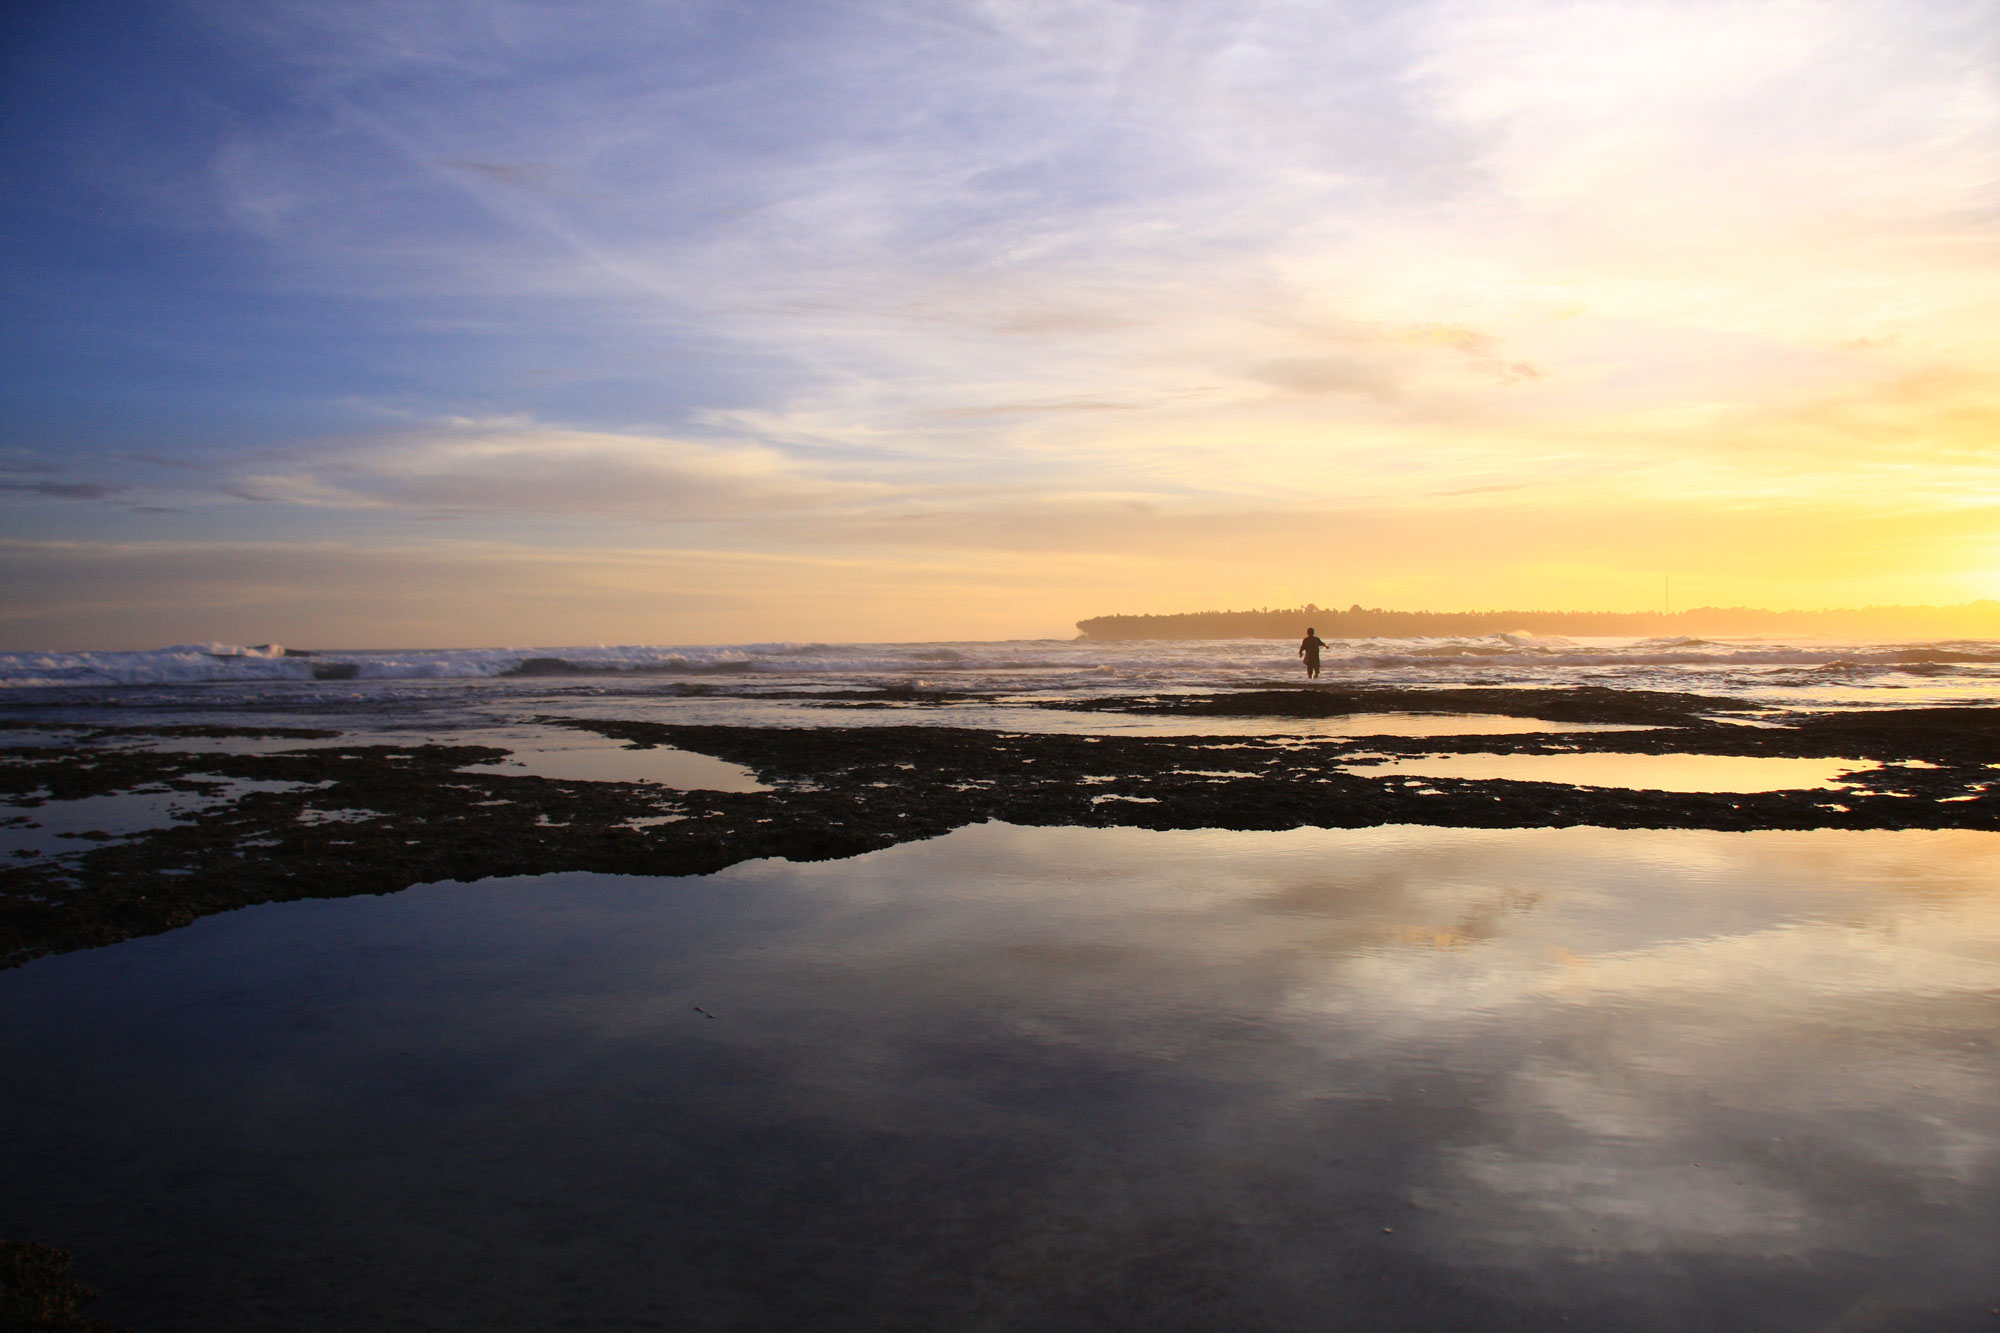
<point x="37" y="1295"/>
<point x="339" y="819"/>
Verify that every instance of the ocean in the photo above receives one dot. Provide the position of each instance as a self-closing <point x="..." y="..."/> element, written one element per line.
<point x="957" y="683"/>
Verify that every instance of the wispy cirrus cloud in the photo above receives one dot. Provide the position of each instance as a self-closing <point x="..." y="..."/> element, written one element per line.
<point x="878" y="270"/>
<point x="471" y="469"/>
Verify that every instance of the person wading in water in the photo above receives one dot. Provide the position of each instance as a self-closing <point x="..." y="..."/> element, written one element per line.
<point x="1309" y="649"/>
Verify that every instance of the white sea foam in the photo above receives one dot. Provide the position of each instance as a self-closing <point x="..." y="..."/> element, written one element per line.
<point x="1955" y="670"/>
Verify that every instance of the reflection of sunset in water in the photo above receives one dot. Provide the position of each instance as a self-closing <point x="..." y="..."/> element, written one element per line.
<point x="1631" y="1079"/>
<point x="1652" y="772"/>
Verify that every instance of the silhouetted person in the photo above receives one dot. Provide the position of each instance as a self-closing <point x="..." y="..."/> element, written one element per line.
<point x="1309" y="649"/>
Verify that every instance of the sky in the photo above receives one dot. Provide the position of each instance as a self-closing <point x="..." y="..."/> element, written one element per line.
<point x="396" y="323"/>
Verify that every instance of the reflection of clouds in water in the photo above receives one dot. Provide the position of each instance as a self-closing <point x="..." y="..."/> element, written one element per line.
<point x="1839" y="999"/>
<point x="1606" y="1197"/>
<point x="1647" y="1079"/>
<point x="1667" y="1135"/>
<point x="1595" y="1011"/>
<point x="1606" y="913"/>
<point x="1836" y="969"/>
<point x="1541" y="1031"/>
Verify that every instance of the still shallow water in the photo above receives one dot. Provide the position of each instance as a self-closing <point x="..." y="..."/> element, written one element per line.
<point x="1391" y="1077"/>
<point x="568" y="755"/>
<point x="54" y="828"/>
<point x="1643" y="772"/>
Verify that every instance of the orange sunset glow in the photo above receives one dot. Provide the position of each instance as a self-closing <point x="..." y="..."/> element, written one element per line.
<point x="972" y="321"/>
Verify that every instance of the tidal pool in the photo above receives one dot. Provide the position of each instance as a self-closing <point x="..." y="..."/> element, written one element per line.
<point x="568" y="755"/>
<point x="1647" y="772"/>
<point x="1050" y="1078"/>
<point x="56" y="827"/>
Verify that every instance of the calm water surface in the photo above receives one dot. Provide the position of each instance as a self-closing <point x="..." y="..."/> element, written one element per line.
<point x="1646" y="772"/>
<point x="1049" y="1078"/>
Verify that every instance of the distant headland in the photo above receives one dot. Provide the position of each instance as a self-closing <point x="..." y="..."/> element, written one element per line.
<point x="1967" y="620"/>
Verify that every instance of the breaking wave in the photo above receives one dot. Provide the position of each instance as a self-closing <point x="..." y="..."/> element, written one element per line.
<point x="1062" y="666"/>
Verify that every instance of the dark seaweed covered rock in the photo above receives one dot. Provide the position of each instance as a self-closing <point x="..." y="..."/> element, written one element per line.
<point x="37" y="1295"/>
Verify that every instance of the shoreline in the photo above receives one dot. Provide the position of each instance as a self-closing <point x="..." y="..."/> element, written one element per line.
<point x="340" y="820"/>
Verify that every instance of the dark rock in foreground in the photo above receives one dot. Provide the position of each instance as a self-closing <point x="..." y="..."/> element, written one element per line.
<point x="37" y="1295"/>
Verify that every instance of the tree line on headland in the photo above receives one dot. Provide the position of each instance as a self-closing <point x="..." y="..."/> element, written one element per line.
<point x="1970" y="620"/>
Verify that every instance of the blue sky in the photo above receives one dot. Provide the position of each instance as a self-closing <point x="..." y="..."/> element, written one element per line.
<point x="469" y="323"/>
